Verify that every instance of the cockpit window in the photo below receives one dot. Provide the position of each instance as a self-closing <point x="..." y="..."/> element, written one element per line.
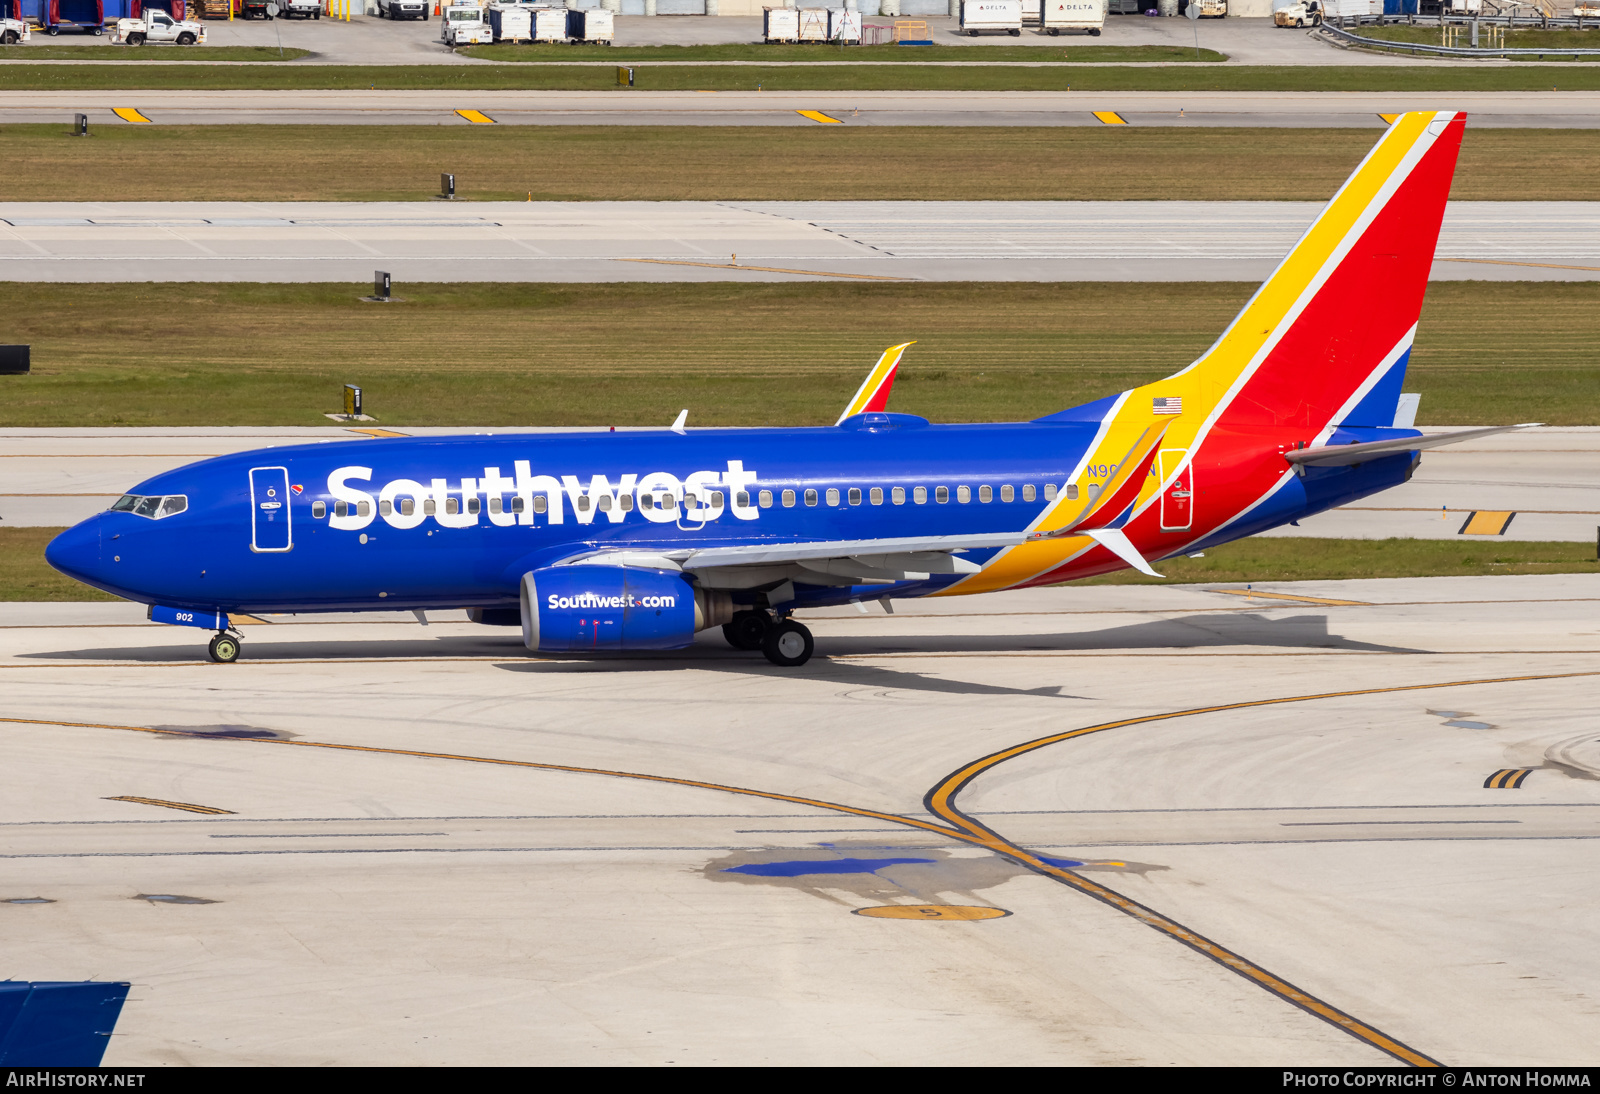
<point x="152" y="507"/>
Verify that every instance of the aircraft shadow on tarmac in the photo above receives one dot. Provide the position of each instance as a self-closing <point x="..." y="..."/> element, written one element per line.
<point x="1220" y="631"/>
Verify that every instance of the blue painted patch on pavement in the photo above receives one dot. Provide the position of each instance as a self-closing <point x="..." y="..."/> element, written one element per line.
<point x="801" y="867"/>
<point x="56" y="1024"/>
<point x="1060" y="863"/>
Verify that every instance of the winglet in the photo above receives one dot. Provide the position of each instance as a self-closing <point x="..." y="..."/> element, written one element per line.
<point x="677" y="425"/>
<point x="874" y="391"/>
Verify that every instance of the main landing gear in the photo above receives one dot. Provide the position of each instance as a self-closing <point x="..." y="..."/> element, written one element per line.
<point x="224" y="649"/>
<point x="784" y="642"/>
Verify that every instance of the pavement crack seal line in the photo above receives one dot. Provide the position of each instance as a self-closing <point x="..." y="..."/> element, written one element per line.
<point x="940" y="801"/>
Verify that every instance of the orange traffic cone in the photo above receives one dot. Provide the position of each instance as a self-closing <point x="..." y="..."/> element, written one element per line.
<point x="436" y="9"/>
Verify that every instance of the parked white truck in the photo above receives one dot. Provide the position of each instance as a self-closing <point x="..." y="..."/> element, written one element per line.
<point x="463" y="25"/>
<point x="1004" y="16"/>
<point x="13" y="31"/>
<point x="158" y="26"/>
<point x="1087" y="16"/>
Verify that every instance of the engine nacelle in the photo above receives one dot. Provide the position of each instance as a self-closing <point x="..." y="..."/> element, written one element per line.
<point x="616" y="608"/>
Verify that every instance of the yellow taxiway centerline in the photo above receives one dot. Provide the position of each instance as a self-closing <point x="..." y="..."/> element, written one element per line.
<point x="129" y="114"/>
<point x="819" y="116"/>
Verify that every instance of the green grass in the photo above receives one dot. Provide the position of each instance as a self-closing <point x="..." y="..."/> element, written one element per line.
<point x="756" y="163"/>
<point x="900" y="76"/>
<point x="887" y="54"/>
<point x="1293" y="559"/>
<point x="734" y="354"/>
<point x="25" y="576"/>
<point x="1552" y="40"/>
<point x="151" y="53"/>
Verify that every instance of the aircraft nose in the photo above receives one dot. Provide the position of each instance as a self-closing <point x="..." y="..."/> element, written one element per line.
<point x="76" y="552"/>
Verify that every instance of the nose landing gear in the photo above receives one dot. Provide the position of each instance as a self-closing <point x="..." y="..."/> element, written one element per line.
<point x="784" y="642"/>
<point x="224" y="649"/>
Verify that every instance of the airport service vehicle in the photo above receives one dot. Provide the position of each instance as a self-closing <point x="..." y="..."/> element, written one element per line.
<point x="13" y="31"/>
<point x="1088" y="16"/>
<point x="258" y="9"/>
<point x="300" y="9"/>
<point x="1211" y="9"/>
<point x="592" y="25"/>
<point x="1586" y="11"/>
<point x="549" y="24"/>
<point x="403" y="9"/>
<point x="1307" y="13"/>
<point x="1004" y="16"/>
<point x="511" y="22"/>
<point x="463" y="25"/>
<point x="608" y="541"/>
<point x="158" y="26"/>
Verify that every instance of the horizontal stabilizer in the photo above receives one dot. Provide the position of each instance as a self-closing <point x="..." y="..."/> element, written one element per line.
<point x="1117" y="542"/>
<point x="1344" y="455"/>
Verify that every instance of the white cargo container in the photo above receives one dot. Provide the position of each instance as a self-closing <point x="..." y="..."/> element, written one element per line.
<point x="1004" y="16"/>
<point x="592" y="25"/>
<point x="813" y="24"/>
<point x="1032" y="12"/>
<point x="1087" y="16"/>
<point x="780" y="24"/>
<point x="844" y="26"/>
<point x="511" y="22"/>
<point x="1356" y="8"/>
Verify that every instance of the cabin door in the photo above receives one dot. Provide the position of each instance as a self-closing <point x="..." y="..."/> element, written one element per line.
<point x="269" y="509"/>
<point x="1177" y="500"/>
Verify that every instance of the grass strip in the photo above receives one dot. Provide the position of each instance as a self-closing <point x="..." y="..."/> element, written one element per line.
<point x="734" y="354"/>
<point x="1308" y="559"/>
<point x="188" y="53"/>
<point x="756" y="163"/>
<point x="1565" y="76"/>
<point x="25" y="576"/>
<point x="885" y="54"/>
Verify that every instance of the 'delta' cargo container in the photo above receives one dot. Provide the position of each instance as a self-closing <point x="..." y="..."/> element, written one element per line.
<point x="780" y="24"/>
<point x="813" y="24"/>
<point x="844" y="26"/>
<point x="549" y="24"/>
<point x="591" y="25"/>
<point x="511" y="22"/>
<point x="1002" y="16"/>
<point x="1083" y="16"/>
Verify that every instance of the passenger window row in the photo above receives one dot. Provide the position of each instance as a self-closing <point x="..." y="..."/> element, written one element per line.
<point x="897" y="495"/>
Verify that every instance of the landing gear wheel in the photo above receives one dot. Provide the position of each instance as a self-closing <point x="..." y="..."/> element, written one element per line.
<point x="224" y="649"/>
<point x="788" y="644"/>
<point x="747" y="630"/>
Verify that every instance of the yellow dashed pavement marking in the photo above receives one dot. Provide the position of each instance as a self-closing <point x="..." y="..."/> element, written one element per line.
<point x="476" y="117"/>
<point x="129" y="114"/>
<point x="1507" y="778"/>
<point x="1111" y="117"/>
<point x="819" y="116"/>
<point x="1487" y="522"/>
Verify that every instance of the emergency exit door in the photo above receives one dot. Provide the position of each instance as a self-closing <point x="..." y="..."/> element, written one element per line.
<point x="1177" y="500"/>
<point x="269" y="509"/>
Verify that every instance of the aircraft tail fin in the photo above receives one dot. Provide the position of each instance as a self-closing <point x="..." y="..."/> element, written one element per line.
<point x="1326" y="338"/>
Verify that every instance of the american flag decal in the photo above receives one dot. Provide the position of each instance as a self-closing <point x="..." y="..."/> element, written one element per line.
<point x="1170" y="405"/>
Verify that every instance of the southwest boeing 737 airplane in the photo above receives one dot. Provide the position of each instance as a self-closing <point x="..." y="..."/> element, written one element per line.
<point x="637" y="540"/>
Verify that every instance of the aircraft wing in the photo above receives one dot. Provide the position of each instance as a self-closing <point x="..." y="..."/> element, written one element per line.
<point x="1343" y="455"/>
<point x="773" y="553"/>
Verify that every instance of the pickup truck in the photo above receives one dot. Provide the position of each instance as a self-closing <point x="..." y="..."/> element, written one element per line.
<point x="463" y="25"/>
<point x="402" y="9"/>
<point x="300" y="9"/>
<point x="158" y="26"/>
<point x="13" y="31"/>
<point x="1307" y="13"/>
